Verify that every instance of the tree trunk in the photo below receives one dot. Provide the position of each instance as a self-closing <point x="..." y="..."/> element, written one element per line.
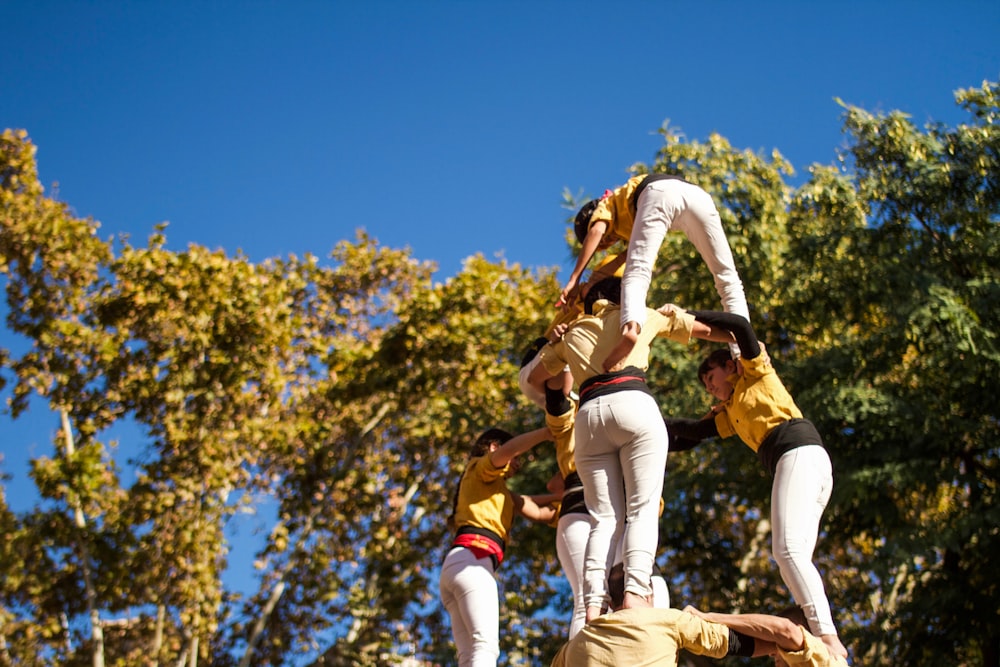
<point x="90" y="595"/>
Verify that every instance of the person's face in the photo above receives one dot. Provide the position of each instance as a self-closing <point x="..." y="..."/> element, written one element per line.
<point x="716" y="381"/>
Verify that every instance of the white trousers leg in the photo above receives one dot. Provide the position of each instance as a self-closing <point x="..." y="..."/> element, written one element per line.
<point x="621" y="453"/>
<point x="469" y="592"/>
<point x="801" y="489"/>
<point x="671" y="205"/>
<point x="571" y="544"/>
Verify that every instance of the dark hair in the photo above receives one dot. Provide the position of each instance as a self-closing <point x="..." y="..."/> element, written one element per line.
<point x="582" y="221"/>
<point x="795" y="615"/>
<point x="716" y="359"/>
<point x="532" y="350"/>
<point x="488" y="437"/>
<point x="609" y="288"/>
<point x="616" y="584"/>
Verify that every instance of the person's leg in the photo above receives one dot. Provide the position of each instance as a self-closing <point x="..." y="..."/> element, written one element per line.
<point x="653" y="216"/>
<point x="604" y="491"/>
<point x="801" y="489"/>
<point x="571" y="545"/>
<point x="643" y="457"/>
<point x="702" y="225"/>
<point x="469" y="593"/>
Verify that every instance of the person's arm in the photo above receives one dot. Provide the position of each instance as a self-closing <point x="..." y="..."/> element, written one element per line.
<point x="539" y="376"/>
<point x="701" y="330"/>
<point x="590" y="245"/>
<point x="624" y="347"/>
<point x="536" y="508"/>
<point x="737" y="324"/>
<point x="518" y="445"/>
<point x="688" y="433"/>
<point x="556" y="484"/>
<point x="779" y="631"/>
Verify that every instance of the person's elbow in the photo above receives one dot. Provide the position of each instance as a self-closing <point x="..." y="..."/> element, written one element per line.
<point x="788" y="634"/>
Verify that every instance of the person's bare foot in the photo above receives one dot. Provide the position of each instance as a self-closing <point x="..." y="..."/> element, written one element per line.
<point x="836" y="647"/>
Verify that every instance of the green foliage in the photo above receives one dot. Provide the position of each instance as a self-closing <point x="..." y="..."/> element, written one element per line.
<point x="346" y="396"/>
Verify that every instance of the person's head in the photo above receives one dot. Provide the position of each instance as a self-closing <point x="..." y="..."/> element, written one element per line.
<point x="714" y="373"/>
<point x="608" y="288"/>
<point x="616" y="586"/>
<point x="489" y="440"/>
<point x="581" y="224"/>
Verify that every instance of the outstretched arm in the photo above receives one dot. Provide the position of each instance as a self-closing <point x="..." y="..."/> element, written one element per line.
<point x="737" y="324"/>
<point x="779" y="632"/>
<point x="590" y="245"/>
<point x="688" y="433"/>
<point x="518" y="445"/>
<point x="536" y="508"/>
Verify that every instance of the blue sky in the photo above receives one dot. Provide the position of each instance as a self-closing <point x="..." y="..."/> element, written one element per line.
<point x="449" y="127"/>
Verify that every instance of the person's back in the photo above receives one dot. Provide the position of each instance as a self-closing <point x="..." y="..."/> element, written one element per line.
<point x="642" y="636"/>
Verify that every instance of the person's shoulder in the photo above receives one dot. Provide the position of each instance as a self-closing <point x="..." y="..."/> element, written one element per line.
<point x="560" y="659"/>
<point x="758" y="366"/>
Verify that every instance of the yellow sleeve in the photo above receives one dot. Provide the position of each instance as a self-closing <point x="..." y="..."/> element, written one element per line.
<point x="486" y="471"/>
<point x="702" y="637"/>
<point x="676" y="326"/>
<point x="549" y="358"/>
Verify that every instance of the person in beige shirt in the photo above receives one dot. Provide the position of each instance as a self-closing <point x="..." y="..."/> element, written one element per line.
<point x="652" y="637"/>
<point x="621" y="440"/>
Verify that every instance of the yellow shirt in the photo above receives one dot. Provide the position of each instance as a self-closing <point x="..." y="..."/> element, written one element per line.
<point x="647" y="637"/>
<point x="587" y="342"/>
<point x="759" y="403"/>
<point x="561" y="427"/>
<point x="616" y="211"/>
<point x="484" y="500"/>
<point x="814" y="654"/>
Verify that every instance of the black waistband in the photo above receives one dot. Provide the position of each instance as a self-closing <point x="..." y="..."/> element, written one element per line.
<point x="633" y="201"/>
<point x="628" y="379"/>
<point x="785" y="437"/>
<point x="573" y="502"/>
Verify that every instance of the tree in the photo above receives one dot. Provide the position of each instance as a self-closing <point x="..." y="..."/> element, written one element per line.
<point x="346" y="395"/>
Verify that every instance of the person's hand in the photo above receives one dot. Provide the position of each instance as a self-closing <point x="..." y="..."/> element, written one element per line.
<point x="558" y="331"/>
<point x="763" y="353"/>
<point x="694" y="611"/>
<point x="668" y="309"/>
<point x="615" y="360"/>
<point x="569" y="294"/>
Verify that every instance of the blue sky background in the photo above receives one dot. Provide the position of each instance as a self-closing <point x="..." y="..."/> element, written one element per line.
<point x="449" y="127"/>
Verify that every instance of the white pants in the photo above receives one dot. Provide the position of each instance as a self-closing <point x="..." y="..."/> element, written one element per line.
<point x="667" y="205"/>
<point x="621" y="453"/>
<point x="469" y="592"/>
<point x="802" y="484"/>
<point x="571" y="544"/>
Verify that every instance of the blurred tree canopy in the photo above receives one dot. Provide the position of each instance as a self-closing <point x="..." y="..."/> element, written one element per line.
<point x="344" y="396"/>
